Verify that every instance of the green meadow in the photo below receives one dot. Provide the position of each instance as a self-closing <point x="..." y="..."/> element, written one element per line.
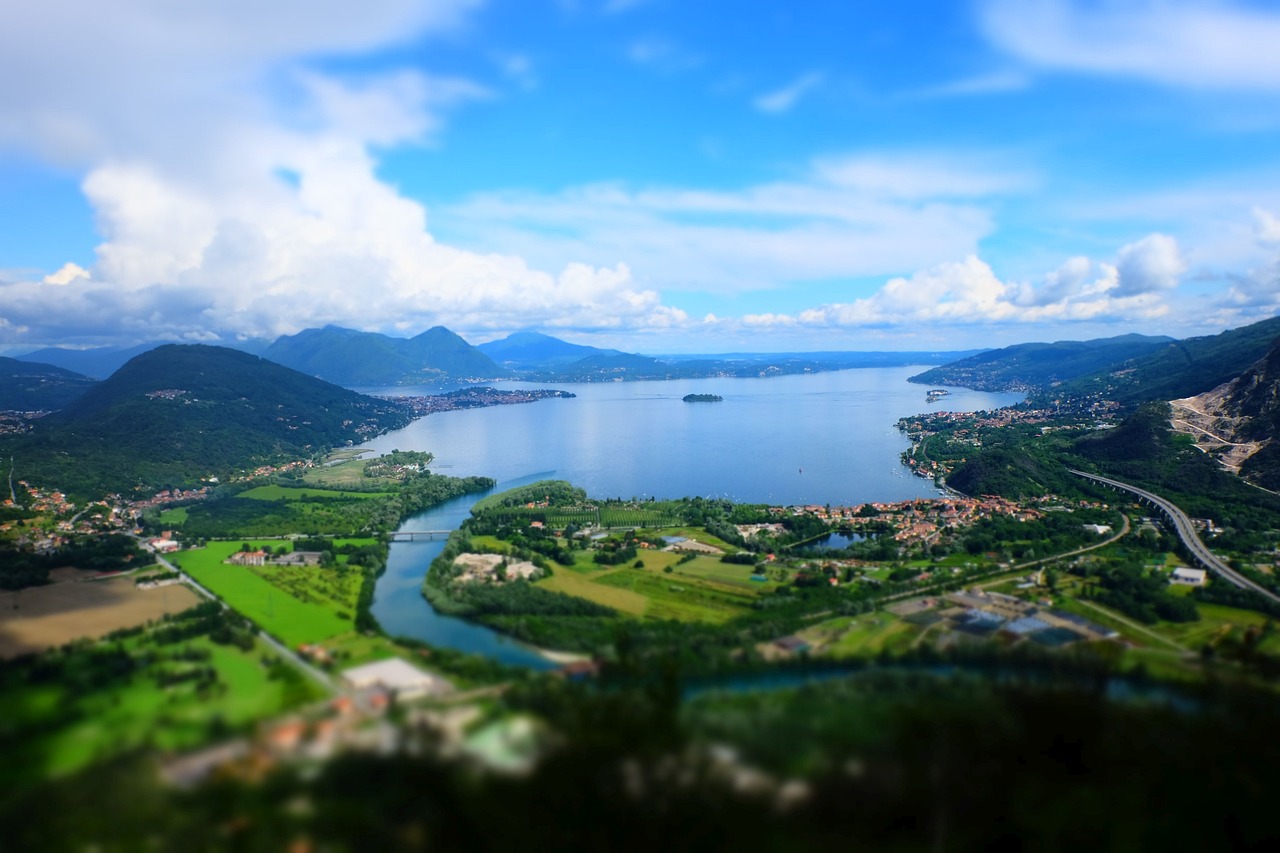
<point x="275" y="492"/>
<point x="98" y="721"/>
<point x="277" y="611"/>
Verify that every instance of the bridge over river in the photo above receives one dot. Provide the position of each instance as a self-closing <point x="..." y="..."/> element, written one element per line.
<point x="417" y="535"/>
<point x="1187" y="533"/>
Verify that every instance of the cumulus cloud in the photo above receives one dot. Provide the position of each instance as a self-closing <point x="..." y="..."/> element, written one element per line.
<point x="1256" y="293"/>
<point x="780" y="101"/>
<point x="1151" y="265"/>
<point x="847" y="216"/>
<point x="67" y="274"/>
<point x="234" y="182"/>
<point x="1209" y="44"/>
<point x="969" y="292"/>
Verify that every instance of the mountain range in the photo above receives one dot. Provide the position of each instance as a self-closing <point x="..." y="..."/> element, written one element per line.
<point x="1029" y="366"/>
<point x="179" y="412"/>
<point x="34" y="387"/>
<point x="438" y="356"/>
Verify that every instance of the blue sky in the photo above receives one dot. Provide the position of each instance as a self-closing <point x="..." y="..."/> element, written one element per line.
<point x="652" y="175"/>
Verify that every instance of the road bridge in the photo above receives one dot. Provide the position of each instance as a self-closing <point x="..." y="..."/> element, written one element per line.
<point x="412" y="535"/>
<point x="1187" y="533"/>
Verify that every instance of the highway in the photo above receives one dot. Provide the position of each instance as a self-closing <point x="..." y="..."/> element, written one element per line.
<point x="1187" y="533"/>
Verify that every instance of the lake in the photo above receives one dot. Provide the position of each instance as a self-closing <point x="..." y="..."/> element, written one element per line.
<point x="804" y="439"/>
<point x="811" y="438"/>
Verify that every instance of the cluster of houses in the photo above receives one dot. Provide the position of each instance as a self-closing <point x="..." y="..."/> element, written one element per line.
<point x="165" y="497"/>
<point x="916" y="521"/>
<point x="259" y="557"/>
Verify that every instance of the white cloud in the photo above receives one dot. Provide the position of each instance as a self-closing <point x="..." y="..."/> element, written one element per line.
<point x="1151" y="265"/>
<point x="782" y="100"/>
<point x="996" y="82"/>
<point x="234" y="184"/>
<point x="852" y="216"/>
<point x="67" y="274"/>
<point x="1266" y="227"/>
<point x="1207" y="44"/>
<point x="969" y="292"/>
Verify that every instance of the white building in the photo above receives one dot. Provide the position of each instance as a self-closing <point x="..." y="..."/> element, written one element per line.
<point x="398" y="676"/>
<point x="1190" y="577"/>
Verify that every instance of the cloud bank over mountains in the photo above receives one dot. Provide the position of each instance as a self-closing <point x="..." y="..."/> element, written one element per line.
<point x="231" y="155"/>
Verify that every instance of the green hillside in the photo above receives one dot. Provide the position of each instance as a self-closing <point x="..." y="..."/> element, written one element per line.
<point x="1039" y="365"/>
<point x="352" y="358"/>
<point x="177" y="413"/>
<point x="1179" y="369"/>
<point x="29" y="386"/>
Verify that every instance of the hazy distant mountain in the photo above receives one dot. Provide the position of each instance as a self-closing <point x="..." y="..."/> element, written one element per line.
<point x="28" y="386"/>
<point x="534" y="351"/>
<point x="1029" y="366"/>
<point x="353" y="358"/>
<point x="101" y="362"/>
<point x="1181" y="368"/>
<point x="181" y="411"/>
<point x="97" y="362"/>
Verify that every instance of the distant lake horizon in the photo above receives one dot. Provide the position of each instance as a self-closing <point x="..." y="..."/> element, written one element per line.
<point x="810" y="438"/>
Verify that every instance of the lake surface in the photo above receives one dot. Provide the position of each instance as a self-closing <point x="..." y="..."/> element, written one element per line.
<point x="805" y="439"/>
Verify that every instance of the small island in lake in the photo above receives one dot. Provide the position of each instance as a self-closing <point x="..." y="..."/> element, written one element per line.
<point x="703" y="398"/>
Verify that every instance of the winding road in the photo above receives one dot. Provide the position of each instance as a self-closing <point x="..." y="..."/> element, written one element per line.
<point x="1187" y="533"/>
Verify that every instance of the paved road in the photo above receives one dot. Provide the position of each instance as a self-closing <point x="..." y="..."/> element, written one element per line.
<point x="1187" y="533"/>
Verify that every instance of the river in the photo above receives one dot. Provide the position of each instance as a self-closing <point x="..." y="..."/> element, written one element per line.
<point x="804" y="439"/>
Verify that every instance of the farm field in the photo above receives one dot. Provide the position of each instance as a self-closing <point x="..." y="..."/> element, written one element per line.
<point x="271" y="607"/>
<point x="710" y="568"/>
<point x="175" y="516"/>
<point x="861" y="636"/>
<point x="96" y="721"/>
<point x="683" y="599"/>
<point x="574" y="583"/>
<point x="1216" y="621"/>
<point x="288" y="493"/>
<point x="43" y="617"/>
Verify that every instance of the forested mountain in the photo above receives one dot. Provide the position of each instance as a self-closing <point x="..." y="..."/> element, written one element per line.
<point x="533" y="351"/>
<point x="1178" y="369"/>
<point x="1039" y="365"/>
<point x="180" y="412"/>
<point x="101" y="362"/>
<point x="28" y="386"/>
<point x="353" y="358"/>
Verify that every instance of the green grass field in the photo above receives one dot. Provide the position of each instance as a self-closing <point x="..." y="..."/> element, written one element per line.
<point x="175" y="516"/>
<point x="731" y="574"/>
<point x="282" y="615"/>
<point x="682" y="598"/>
<point x="349" y="473"/>
<point x="1215" y="621"/>
<point x="138" y="712"/>
<point x="573" y="583"/>
<point x="288" y="493"/>
<point x="861" y="636"/>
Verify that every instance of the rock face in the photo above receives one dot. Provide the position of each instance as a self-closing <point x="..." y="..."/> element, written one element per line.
<point x="1237" y="422"/>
